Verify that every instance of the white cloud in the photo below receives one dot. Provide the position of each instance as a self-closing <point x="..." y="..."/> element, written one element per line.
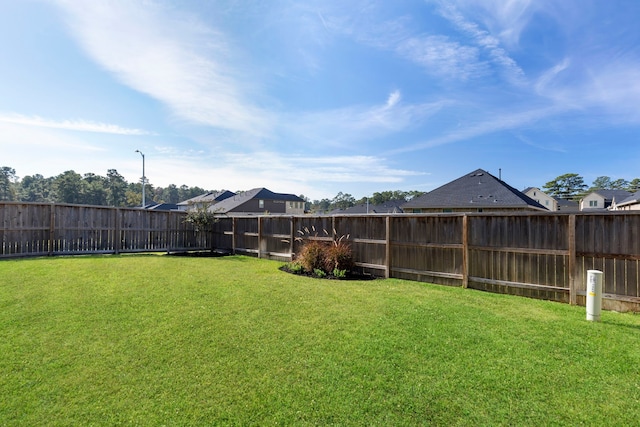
<point x="169" y="56"/>
<point x="73" y="125"/>
<point x="344" y="127"/>
<point x="485" y="40"/>
<point x="443" y="57"/>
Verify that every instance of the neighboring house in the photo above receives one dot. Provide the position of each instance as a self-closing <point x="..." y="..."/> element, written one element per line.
<point x="600" y="200"/>
<point x="541" y="197"/>
<point x="389" y="207"/>
<point x="478" y="191"/>
<point x="260" y="201"/>
<point x="566" y="205"/>
<point x="206" y="199"/>
<point x="162" y="207"/>
<point x="631" y="203"/>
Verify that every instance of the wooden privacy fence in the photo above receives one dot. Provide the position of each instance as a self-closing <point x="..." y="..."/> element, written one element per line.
<point x="537" y="255"/>
<point x="543" y="256"/>
<point x="31" y="229"/>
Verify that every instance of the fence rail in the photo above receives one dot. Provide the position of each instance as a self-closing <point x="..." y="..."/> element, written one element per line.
<point x="537" y="255"/>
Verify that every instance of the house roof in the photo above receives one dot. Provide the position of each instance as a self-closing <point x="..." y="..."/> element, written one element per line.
<point x="391" y="206"/>
<point x="609" y="195"/>
<point x="209" y="197"/>
<point x="632" y="199"/>
<point x="478" y="189"/>
<point x="231" y="203"/>
<point x="162" y="207"/>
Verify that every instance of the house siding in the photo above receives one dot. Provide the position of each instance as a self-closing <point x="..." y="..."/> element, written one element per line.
<point x="542" y="198"/>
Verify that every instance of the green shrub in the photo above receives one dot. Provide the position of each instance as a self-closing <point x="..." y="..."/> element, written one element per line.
<point x="294" y="267"/>
<point x="340" y="274"/>
<point x="319" y="272"/>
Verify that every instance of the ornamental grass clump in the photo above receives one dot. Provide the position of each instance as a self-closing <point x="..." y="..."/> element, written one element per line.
<point x="323" y="258"/>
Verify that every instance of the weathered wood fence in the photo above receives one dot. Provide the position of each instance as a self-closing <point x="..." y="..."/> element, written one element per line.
<point x="31" y="229"/>
<point x="542" y="256"/>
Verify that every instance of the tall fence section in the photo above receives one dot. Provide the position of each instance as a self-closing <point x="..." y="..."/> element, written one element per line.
<point x="537" y="255"/>
<point x="29" y="229"/>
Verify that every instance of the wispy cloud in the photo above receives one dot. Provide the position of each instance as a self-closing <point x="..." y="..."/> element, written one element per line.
<point x="485" y="40"/>
<point x="73" y="125"/>
<point x="495" y="122"/>
<point x="443" y="57"/>
<point x="344" y="127"/>
<point x="170" y="56"/>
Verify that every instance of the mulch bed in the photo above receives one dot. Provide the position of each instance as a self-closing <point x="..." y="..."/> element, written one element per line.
<point x="351" y="275"/>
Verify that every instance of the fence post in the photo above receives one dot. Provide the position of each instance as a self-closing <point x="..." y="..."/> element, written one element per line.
<point x="233" y="235"/>
<point x="260" y="236"/>
<point x="293" y="236"/>
<point x="52" y="227"/>
<point x="465" y="251"/>
<point x="387" y="254"/>
<point x="117" y="233"/>
<point x="573" y="284"/>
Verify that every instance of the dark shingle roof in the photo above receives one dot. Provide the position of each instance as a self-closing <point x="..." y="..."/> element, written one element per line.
<point x="233" y="202"/>
<point x="478" y="189"/>
<point x="210" y="197"/>
<point x="634" y="198"/>
<point x="609" y="195"/>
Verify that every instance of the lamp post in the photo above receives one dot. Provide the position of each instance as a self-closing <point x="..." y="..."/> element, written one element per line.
<point x="144" y="179"/>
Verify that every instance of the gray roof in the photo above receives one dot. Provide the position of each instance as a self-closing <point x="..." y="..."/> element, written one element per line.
<point x="634" y="198"/>
<point x="209" y="197"/>
<point x="609" y="195"/>
<point x="475" y="190"/>
<point x="235" y="201"/>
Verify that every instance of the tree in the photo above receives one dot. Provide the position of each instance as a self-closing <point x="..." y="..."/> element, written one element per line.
<point x="567" y="186"/>
<point x="634" y="185"/>
<point x="619" y="184"/>
<point x="36" y="188"/>
<point x="69" y="187"/>
<point x="320" y="205"/>
<point x="343" y="201"/>
<point x="95" y="190"/>
<point x="116" y="188"/>
<point x="601" y="183"/>
<point x="7" y="183"/>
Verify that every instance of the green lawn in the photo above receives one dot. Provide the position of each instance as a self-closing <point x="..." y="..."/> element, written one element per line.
<point x="158" y="340"/>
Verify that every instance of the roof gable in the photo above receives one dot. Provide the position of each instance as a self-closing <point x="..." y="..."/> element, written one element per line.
<point x="478" y="189"/>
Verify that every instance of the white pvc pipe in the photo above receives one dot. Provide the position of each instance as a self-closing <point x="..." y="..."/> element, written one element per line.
<point x="594" y="295"/>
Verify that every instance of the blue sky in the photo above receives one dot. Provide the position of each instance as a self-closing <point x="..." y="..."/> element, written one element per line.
<point x="316" y="97"/>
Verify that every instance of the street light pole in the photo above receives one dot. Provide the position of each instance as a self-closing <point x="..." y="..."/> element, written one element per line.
<point x="144" y="179"/>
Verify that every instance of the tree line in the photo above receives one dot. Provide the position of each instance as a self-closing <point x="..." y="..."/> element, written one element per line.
<point x="571" y="186"/>
<point x="88" y="189"/>
<point x="114" y="190"/>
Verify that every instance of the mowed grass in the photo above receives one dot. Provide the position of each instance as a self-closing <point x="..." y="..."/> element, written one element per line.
<point x="159" y="340"/>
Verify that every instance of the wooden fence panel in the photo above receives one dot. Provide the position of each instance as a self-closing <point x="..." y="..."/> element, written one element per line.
<point x="609" y="242"/>
<point x="523" y="254"/>
<point x="427" y="248"/>
<point x="24" y="230"/>
<point x="275" y="237"/>
<point x="534" y="255"/>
